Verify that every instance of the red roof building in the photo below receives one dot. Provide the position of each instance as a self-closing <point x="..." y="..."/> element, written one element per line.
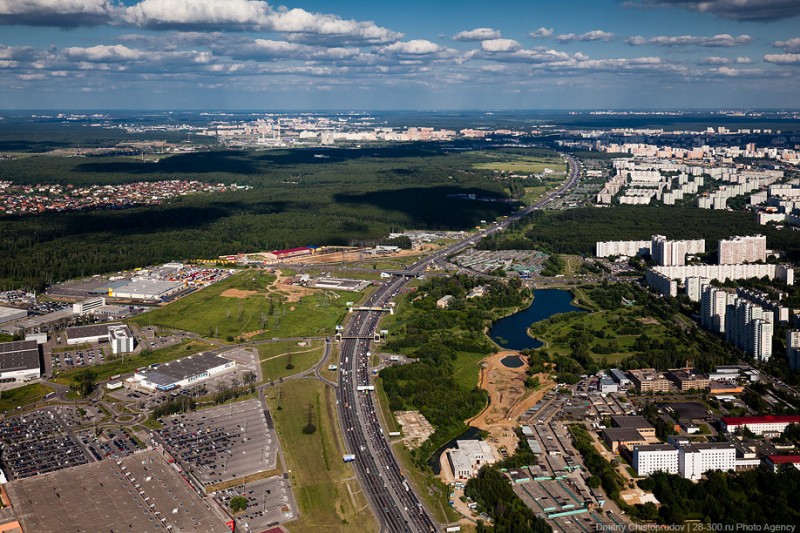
<point x="775" y="461"/>
<point x="759" y="424"/>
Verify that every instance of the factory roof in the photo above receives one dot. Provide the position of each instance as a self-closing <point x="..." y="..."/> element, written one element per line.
<point x="292" y="250"/>
<point x="623" y="434"/>
<point x="784" y="459"/>
<point x="630" y="422"/>
<point x="19" y="355"/>
<point x="169" y="373"/>
<point x="10" y="311"/>
<point x="93" y="330"/>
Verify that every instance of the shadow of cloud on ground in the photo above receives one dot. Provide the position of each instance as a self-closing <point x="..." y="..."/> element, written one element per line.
<point x="233" y="162"/>
<point x="430" y="207"/>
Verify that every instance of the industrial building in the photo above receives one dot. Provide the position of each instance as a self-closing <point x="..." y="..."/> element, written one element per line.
<point x="649" y="380"/>
<point x="639" y="423"/>
<point x="7" y="314"/>
<point x="89" y="334"/>
<point x="19" y="361"/>
<point x="759" y="424"/>
<point x="183" y="372"/>
<point x="87" y="306"/>
<point x="280" y="255"/>
<point x="607" y="385"/>
<point x="627" y="437"/>
<point x="620" y="377"/>
<point x="469" y="457"/>
<point x="145" y="289"/>
<point x="686" y="379"/>
<point x="120" y="338"/>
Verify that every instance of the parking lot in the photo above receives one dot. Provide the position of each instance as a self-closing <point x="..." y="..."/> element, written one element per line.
<point x="222" y="443"/>
<point x="268" y="503"/>
<point x="489" y="260"/>
<point x="36" y="443"/>
<point x="109" y="443"/>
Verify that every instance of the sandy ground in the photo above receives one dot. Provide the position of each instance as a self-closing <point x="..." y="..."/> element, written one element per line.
<point x="293" y="293"/>
<point x="508" y="399"/>
<point x="237" y="293"/>
<point x="352" y="256"/>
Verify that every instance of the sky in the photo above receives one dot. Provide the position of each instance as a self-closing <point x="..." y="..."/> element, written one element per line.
<point x="403" y="54"/>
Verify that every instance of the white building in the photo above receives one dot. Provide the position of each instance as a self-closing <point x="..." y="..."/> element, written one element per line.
<point x="120" y="338"/>
<point x="468" y="458"/>
<point x="87" y="306"/>
<point x="187" y="371"/>
<point x="146" y="289"/>
<point x="655" y="458"/>
<point x="725" y="272"/>
<point x="89" y="334"/>
<point x="694" y="287"/>
<point x="19" y="361"/>
<point x="696" y="459"/>
<point x="742" y="250"/>
<point x="793" y="349"/>
<point x="759" y="424"/>
<point x="7" y="314"/>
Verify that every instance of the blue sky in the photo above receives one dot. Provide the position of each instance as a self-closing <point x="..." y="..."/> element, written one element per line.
<point x="412" y="54"/>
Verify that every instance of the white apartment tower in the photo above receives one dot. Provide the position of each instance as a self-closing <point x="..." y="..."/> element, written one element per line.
<point x="793" y="349"/>
<point x="737" y="250"/>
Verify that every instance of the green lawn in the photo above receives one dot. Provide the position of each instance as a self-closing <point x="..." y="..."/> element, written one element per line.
<point x="326" y="490"/>
<point x="132" y="362"/>
<point x="13" y="398"/>
<point x="466" y="369"/>
<point x="275" y="356"/>
<point x="262" y="311"/>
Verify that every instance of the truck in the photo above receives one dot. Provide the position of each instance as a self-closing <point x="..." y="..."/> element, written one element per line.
<point x="348" y="458"/>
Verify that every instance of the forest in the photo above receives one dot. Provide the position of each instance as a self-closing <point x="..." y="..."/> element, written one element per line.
<point x="347" y="196"/>
<point x="435" y="337"/>
<point x="577" y="230"/>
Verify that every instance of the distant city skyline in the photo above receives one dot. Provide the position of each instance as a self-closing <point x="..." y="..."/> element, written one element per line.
<point x="354" y="54"/>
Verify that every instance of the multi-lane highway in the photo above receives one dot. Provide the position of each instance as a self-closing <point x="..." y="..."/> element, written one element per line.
<point x="393" y="500"/>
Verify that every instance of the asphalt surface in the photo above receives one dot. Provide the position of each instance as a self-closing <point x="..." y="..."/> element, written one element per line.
<point x="391" y="497"/>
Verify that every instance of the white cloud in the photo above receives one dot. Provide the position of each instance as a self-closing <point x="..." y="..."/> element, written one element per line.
<point x="541" y="33"/>
<point x="783" y="59"/>
<point x="741" y="60"/>
<point x="104" y="54"/>
<point x="594" y="35"/>
<point x="500" y="45"/>
<point x="415" y="47"/>
<point x="790" y="45"/>
<point x="255" y="15"/>
<point x="723" y="40"/>
<point x="713" y="60"/>
<point x="270" y="49"/>
<point x="478" y="34"/>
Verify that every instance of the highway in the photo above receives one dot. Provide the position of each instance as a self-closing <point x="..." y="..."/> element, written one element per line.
<point x="396" y="506"/>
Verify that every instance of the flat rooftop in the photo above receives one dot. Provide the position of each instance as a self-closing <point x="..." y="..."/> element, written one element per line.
<point x="634" y="421"/>
<point x="148" y="286"/>
<point x="137" y="493"/>
<point x="93" y="330"/>
<point x="172" y="372"/>
<point x="19" y="355"/>
<point x="10" y="311"/>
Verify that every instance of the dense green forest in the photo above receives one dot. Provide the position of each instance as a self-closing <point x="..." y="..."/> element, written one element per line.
<point x="348" y="196"/>
<point x="577" y="230"/>
<point x="751" y="497"/>
<point x="435" y="337"/>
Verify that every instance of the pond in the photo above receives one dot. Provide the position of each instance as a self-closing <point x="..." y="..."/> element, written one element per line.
<point x="511" y="332"/>
<point x="512" y="361"/>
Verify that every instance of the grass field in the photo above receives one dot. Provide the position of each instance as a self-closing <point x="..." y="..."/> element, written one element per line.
<point x="132" y="362"/>
<point x="13" y="398"/>
<point x="466" y="369"/>
<point x="246" y="305"/>
<point x="524" y="165"/>
<point x="275" y="356"/>
<point x="326" y="490"/>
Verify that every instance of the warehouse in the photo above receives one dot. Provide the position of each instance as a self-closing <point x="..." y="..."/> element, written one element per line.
<point x="7" y="314"/>
<point x="89" y="334"/>
<point x="146" y="289"/>
<point x="279" y="255"/>
<point x="19" y="361"/>
<point x="183" y="372"/>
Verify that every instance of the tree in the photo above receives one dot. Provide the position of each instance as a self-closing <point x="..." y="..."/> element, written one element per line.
<point x="83" y="382"/>
<point x="594" y="482"/>
<point x="238" y="504"/>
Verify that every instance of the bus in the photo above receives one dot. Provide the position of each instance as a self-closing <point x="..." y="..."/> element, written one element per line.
<point x="49" y="395"/>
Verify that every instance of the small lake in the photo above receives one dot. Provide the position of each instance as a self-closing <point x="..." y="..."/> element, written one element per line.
<point x="511" y="332"/>
<point x="512" y="361"/>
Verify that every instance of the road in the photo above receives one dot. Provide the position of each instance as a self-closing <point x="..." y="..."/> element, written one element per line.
<point x="393" y="500"/>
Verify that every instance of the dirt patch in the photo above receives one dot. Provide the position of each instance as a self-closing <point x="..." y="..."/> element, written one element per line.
<point x="292" y="293"/>
<point x="508" y="399"/>
<point x="251" y="334"/>
<point x="237" y="293"/>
